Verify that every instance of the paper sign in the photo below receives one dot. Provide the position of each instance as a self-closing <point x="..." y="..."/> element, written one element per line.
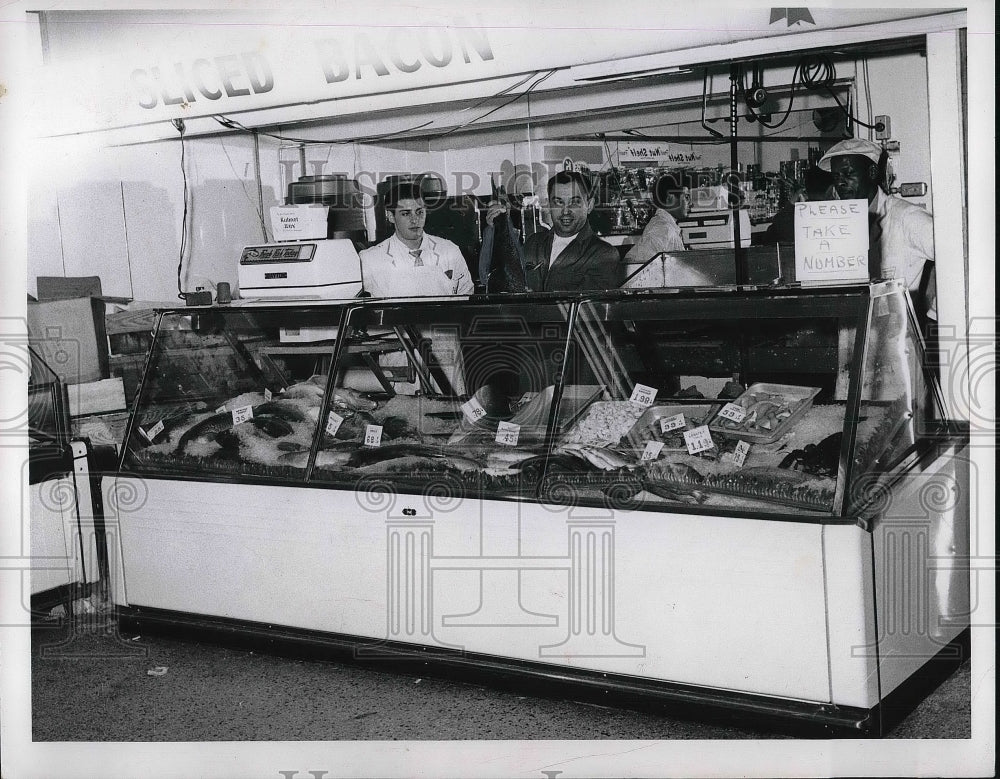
<point x="643" y="395"/>
<point x="242" y="414"/>
<point x="154" y="431"/>
<point x="733" y="411"/>
<point x="740" y="453"/>
<point x="373" y="435"/>
<point x="221" y="409"/>
<point x="507" y="433"/>
<point x="831" y="240"/>
<point x="672" y="423"/>
<point x="333" y="423"/>
<point x="473" y="409"/>
<point x="267" y="395"/>
<point x="652" y="450"/>
<point x="698" y="440"/>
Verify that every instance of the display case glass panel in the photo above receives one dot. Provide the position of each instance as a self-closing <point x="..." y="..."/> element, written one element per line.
<point x="471" y="404"/>
<point x="233" y="392"/>
<point x="779" y="400"/>
<point x="717" y="399"/>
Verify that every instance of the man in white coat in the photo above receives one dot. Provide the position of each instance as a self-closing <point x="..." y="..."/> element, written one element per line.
<point x="410" y="262"/>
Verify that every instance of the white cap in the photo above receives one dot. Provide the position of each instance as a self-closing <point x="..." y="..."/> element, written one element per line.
<point x="852" y="146"/>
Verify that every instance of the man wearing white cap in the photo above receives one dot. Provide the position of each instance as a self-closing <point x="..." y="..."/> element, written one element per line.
<point x="902" y="233"/>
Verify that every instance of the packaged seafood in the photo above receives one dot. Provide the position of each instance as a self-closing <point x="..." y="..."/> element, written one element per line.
<point x="768" y="411"/>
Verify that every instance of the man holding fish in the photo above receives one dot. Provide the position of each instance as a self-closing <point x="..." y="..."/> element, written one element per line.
<point x="570" y="256"/>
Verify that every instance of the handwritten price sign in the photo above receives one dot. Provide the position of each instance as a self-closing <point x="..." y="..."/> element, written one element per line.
<point x="740" y="453"/>
<point x="373" y="435"/>
<point x="698" y="439"/>
<point x="652" y="450"/>
<point x="733" y="412"/>
<point x="333" y="423"/>
<point x="643" y="395"/>
<point x="242" y="414"/>
<point x="676" y="422"/>
<point x="267" y="395"/>
<point x="473" y="410"/>
<point x="507" y="433"/>
<point x="154" y="431"/>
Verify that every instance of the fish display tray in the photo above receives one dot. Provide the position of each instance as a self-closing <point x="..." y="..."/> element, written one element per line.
<point x="696" y="413"/>
<point x="788" y="392"/>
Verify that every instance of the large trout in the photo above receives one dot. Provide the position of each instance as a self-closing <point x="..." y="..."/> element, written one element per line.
<point x="506" y="261"/>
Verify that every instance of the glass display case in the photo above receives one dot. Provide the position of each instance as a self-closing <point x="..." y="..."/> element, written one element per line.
<point x="59" y="506"/>
<point x="779" y="401"/>
<point x="648" y="494"/>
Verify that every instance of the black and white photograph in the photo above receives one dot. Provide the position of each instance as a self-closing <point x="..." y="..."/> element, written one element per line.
<point x="524" y="389"/>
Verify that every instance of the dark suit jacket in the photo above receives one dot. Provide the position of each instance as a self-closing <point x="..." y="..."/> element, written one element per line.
<point x="588" y="263"/>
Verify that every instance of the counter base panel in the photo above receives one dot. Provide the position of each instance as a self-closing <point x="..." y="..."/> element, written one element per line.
<point x="710" y="705"/>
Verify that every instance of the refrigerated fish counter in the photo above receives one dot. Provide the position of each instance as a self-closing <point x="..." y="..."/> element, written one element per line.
<point x="749" y="500"/>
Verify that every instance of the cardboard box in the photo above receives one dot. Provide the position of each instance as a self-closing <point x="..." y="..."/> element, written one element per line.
<point x="70" y="336"/>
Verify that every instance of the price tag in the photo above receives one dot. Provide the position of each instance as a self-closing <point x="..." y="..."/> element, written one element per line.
<point x="373" y="435"/>
<point x="154" y="431"/>
<point x="643" y="395"/>
<point x="652" y="450"/>
<point x="507" y="433"/>
<point x="333" y="423"/>
<point x="740" y="453"/>
<point x="242" y="414"/>
<point x="733" y="412"/>
<point x="221" y="409"/>
<point x="473" y="410"/>
<point x="267" y="395"/>
<point x="698" y="440"/>
<point x="672" y="423"/>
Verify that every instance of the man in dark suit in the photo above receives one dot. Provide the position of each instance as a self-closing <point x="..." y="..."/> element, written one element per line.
<point x="570" y="256"/>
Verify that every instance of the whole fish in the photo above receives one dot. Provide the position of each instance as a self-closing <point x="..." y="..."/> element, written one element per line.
<point x="281" y="409"/>
<point x="206" y="430"/>
<point x="368" y="456"/>
<point x="506" y="258"/>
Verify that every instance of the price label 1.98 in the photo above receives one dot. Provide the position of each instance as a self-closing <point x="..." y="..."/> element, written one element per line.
<point x="733" y="412"/>
<point x="242" y="414"/>
<point x="643" y="395"/>
<point x="740" y="453"/>
<point x="333" y="423"/>
<point x="676" y="422"/>
<point x="473" y="409"/>
<point x="652" y="450"/>
<point x="373" y="435"/>
<point x="698" y="440"/>
<point x="507" y="433"/>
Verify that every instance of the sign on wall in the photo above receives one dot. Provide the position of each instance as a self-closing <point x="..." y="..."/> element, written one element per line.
<point x="831" y="241"/>
<point x="107" y="69"/>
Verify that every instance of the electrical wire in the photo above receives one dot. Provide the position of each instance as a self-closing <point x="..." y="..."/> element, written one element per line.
<point x="813" y="71"/>
<point x="232" y="124"/>
<point x="260" y="183"/>
<point x="499" y="107"/>
<point x="184" y="217"/>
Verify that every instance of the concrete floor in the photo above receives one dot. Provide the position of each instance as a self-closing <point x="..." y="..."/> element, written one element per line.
<point x="90" y="684"/>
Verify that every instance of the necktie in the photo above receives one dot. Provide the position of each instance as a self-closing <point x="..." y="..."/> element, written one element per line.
<point x="415" y="254"/>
